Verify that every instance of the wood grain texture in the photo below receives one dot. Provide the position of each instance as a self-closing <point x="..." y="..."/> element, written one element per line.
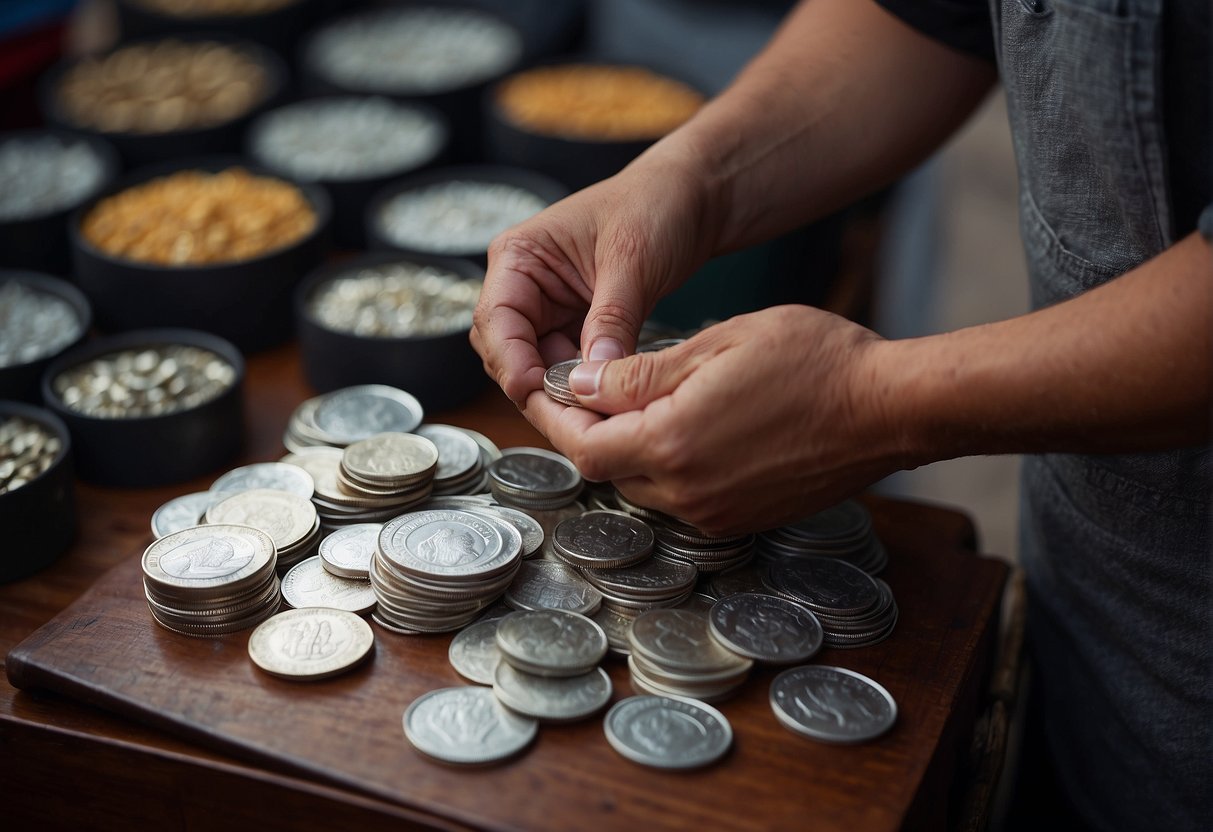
<point x="182" y="695"/>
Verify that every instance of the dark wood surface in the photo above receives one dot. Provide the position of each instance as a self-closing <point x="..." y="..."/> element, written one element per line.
<point x="155" y="728"/>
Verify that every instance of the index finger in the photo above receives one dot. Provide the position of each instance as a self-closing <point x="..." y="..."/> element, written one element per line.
<point x="507" y="341"/>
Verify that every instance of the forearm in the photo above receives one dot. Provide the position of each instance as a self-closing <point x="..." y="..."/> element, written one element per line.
<point x="843" y="100"/>
<point x="1124" y="367"/>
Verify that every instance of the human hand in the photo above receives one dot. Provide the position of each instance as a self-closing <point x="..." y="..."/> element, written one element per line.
<point x="754" y="422"/>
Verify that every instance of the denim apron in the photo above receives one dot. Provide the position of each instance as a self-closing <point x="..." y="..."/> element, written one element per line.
<point x="1116" y="548"/>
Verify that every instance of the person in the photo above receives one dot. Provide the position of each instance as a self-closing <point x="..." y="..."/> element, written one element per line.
<point x="770" y="416"/>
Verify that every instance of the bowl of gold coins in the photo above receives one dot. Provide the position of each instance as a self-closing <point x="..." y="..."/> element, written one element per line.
<point x="37" y="501"/>
<point x="582" y="121"/>
<point x="41" y="317"/>
<point x="150" y="407"/>
<point x="395" y="319"/>
<point x="214" y="244"/>
<point x="156" y="100"/>
<point x="273" y="23"/>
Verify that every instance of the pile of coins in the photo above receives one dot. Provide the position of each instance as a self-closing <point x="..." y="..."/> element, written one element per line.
<point x="213" y="8"/>
<point x="674" y="654"/>
<point x="309" y="583"/>
<point x="211" y="580"/>
<point x="679" y="540"/>
<point x="455" y="217"/>
<point x="346" y="138"/>
<point x="596" y="102"/>
<point x="34" y="324"/>
<point x="534" y="479"/>
<point x="27" y="451"/>
<point x="151" y="381"/>
<point x="162" y="87"/>
<point x="413" y="50"/>
<point x="351" y="414"/>
<point x="654" y="584"/>
<point x="855" y="609"/>
<point x="200" y="218"/>
<point x="190" y="509"/>
<point x="289" y="519"/>
<point x="603" y="540"/>
<point x="843" y="531"/>
<point x="396" y="300"/>
<point x="46" y="173"/>
<point x="461" y="468"/>
<point x="385" y="475"/>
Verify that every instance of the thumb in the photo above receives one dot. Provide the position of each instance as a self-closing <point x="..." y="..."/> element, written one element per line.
<point x="613" y="321"/>
<point x="629" y="383"/>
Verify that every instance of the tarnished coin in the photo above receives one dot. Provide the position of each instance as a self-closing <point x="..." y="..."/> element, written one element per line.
<point x="832" y="704"/>
<point x="655" y="578"/>
<point x="209" y="561"/>
<point x="466" y="725"/>
<point x="663" y="732"/>
<point x="391" y="457"/>
<point x="545" y="584"/>
<point x="551" y="642"/>
<point x="311" y="643"/>
<point x="279" y="476"/>
<point x="528" y="526"/>
<point x="180" y="513"/>
<point x="473" y="651"/>
<point x="458" y="453"/>
<point x="825" y="585"/>
<point x="604" y="539"/>
<point x="284" y="516"/>
<point x="446" y="543"/>
<point x="556" y="382"/>
<point x="308" y="584"/>
<point x="766" y="628"/>
<point x="355" y="413"/>
<point x="679" y="640"/>
<point x="534" y="478"/>
<point x="552" y="699"/>
<point x="347" y="552"/>
<point x="748" y="578"/>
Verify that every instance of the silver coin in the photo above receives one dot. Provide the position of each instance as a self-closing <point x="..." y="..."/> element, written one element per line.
<point x="309" y="584"/>
<point x="466" y="725"/>
<point x="556" y="382"/>
<point x="832" y="704"/>
<point x="446" y="543"/>
<point x="825" y="585"/>
<point x="279" y="476"/>
<point x="766" y="628"/>
<point x="530" y="528"/>
<point x="312" y="643"/>
<point x="458" y="453"/>
<point x="664" y="732"/>
<point x="180" y="513"/>
<point x="604" y="539"/>
<point x="347" y="552"/>
<point x="551" y="585"/>
<point x="654" y="577"/>
<point x="209" y="560"/>
<point x="361" y="412"/>
<point x="535" y="471"/>
<point x="552" y="699"/>
<point x="473" y="651"/>
<point x="551" y="642"/>
<point x="679" y="640"/>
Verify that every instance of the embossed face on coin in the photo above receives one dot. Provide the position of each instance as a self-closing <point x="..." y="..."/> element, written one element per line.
<point x="213" y="557"/>
<point x="766" y="628"/>
<point x="832" y="704"/>
<point x="466" y="725"/>
<point x="663" y="732"/>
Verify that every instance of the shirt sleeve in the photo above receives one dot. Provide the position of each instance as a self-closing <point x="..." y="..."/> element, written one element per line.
<point x="963" y="25"/>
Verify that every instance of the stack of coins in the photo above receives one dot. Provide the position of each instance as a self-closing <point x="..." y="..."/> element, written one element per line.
<point x="679" y="540"/>
<point x="843" y="531"/>
<point x="674" y="654"/>
<point x="309" y="584"/>
<point x="344" y="416"/>
<point x="289" y="519"/>
<point x="556" y="382"/>
<point x="652" y="584"/>
<point x="855" y="609"/>
<point x="549" y="665"/>
<point x="434" y="571"/>
<point x="460" y="462"/>
<point x="531" y="530"/>
<point x="347" y="552"/>
<point x="546" y="585"/>
<point x="392" y="472"/>
<point x="603" y="540"/>
<point x="211" y="580"/>
<point x="532" y="478"/>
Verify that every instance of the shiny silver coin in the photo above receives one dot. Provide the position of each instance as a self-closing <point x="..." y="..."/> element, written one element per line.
<point x="180" y="513"/>
<point x="766" y="628"/>
<point x="616" y="626"/>
<point x="551" y="642"/>
<point x="310" y="643"/>
<point x="209" y="561"/>
<point x="530" y="528"/>
<point x="473" y="652"/>
<point x="832" y="704"/>
<point x="825" y="585"/>
<point x="287" y="517"/>
<point x="466" y="725"/>
<point x="679" y="640"/>
<point x="279" y="476"/>
<point x="354" y="413"/>
<point x="535" y="474"/>
<point x="447" y="545"/>
<point x="663" y="732"/>
<point x="551" y="585"/>
<point x="556" y="382"/>
<point x="549" y="699"/>
<point x="308" y="584"/>
<point x="347" y="552"/>
<point x="458" y="453"/>
<point x="604" y="539"/>
<point x="652" y="579"/>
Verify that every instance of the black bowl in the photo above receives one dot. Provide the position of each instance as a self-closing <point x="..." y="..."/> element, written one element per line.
<point x="278" y="29"/>
<point x="542" y="186"/>
<point x="442" y="371"/>
<point x="21" y="381"/>
<point x="138" y="149"/>
<point x="39" y="518"/>
<point x="153" y="450"/>
<point x="351" y="195"/>
<point x="40" y="241"/>
<point x="247" y="302"/>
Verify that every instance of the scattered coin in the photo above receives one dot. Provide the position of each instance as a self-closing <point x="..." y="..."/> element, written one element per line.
<point x="347" y="552"/>
<point x="551" y="642"/>
<point x="180" y="513"/>
<point x="466" y="725"/>
<point x="564" y="699"/>
<point x="308" y="584"/>
<point x="314" y="643"/>
<point x="663" y="732"/>
<point x="765" y="628"/>
<point x="832" y="704"/>
<point x="473" y="651"/>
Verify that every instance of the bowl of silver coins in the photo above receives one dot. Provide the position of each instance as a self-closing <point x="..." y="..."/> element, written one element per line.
<point x="350" y="145"/>
<point x="457" y="211"/>
<point x="41" y="317"/>
<point x="149" y="407"/>
<point x="37" y="501"/>
<point x="44" y="176"/>
<point x="395" y="319"/>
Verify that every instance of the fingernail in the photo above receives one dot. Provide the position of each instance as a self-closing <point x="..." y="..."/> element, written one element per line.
<point x="606" y="349"/>
<point x="584" y="378"/>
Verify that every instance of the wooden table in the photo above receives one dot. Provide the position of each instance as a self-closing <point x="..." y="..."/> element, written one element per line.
<point x="237" y="750"/>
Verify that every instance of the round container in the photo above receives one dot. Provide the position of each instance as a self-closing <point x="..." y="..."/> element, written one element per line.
<point x="38" y="519"/>
<point x="22" y="381"/>
<point x="350" y="195"/>
<point x="136" y="149"/>
<point x="278" y="29"/>
<point x="148" y="451"/>
<point x="247" y="302"/>
<point x="542" y="186"/>
<point x="39" y="241"/>
<point x="442" y="371"/>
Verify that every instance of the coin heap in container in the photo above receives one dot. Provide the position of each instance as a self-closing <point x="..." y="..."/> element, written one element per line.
<point x="855" y="609"/>
<point x="33" y="324"/>
<point x="344" y="416"/>
<point x="843" y="531"/>
<point x="289" y="519"/>
<point x="674" y="654"/>
<point x="461" y="468"/>
<point x="211" y="580"/>
<point x="435" y="570"/>
<point x="27" y="450"/>
<point x="679" y="540"/>
<point x="549" y="665"/>
<point x="534" y="479"/>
